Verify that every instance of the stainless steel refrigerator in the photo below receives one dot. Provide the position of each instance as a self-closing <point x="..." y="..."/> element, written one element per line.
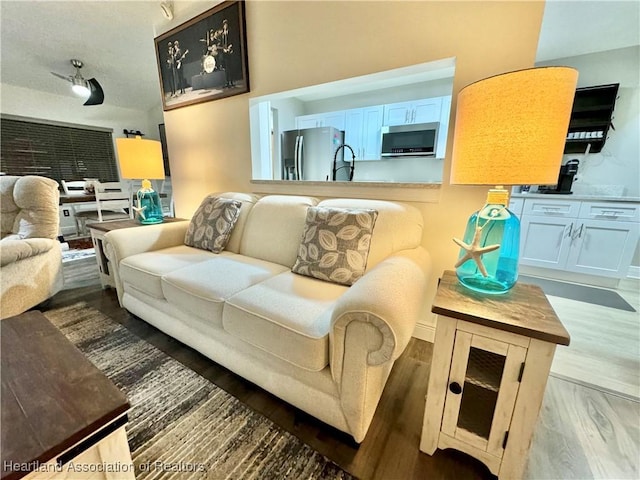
<point x="307" y="154"/>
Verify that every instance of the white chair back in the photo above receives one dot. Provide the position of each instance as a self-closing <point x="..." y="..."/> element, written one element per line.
<point x="114" y="198"/>
<point x="81" y="211"/>
<point x="73" y="187"/>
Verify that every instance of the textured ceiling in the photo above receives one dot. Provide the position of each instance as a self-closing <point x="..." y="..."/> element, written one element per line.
<point x="114" y="39"/>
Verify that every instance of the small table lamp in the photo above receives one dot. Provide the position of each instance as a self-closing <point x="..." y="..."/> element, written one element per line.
<point x="510" y="130"/>
<point x="142" y="159"/>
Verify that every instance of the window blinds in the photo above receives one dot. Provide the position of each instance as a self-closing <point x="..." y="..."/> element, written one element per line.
<point x="56" y="151"/>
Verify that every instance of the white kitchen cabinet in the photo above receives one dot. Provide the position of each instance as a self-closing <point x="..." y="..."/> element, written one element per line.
<point x="329" y="119"/>
<point x="417" y="111"/>
<point x="362" y="132"/>
<point x="545" y="241"/>
<point x="603" y="247"/>
<point x="307" y="121"/>
<point x="586" y="237"/>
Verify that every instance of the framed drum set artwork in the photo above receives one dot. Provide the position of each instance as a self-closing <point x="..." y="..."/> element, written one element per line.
<point x="204" y="58"/>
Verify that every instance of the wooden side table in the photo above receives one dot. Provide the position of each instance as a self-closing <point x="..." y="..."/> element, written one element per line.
<point x="60" y="414"/>
<point x="99" y="230"/>
<point x="491" y="360"/>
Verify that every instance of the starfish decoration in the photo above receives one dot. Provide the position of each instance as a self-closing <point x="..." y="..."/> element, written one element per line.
<point x="139" y="212"/>
<point x="475" y="251"/>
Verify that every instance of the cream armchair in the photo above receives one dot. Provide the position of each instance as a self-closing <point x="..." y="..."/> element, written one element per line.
<point x="30" y="254"/>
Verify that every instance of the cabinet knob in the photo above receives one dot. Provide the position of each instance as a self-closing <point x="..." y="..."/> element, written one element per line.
<point x="455" y="388"/>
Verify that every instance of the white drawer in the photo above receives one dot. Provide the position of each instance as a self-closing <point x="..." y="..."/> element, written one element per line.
<point x="617" y="211"/>
<point x="515" y="205"/>
<point x="551" y="207"/>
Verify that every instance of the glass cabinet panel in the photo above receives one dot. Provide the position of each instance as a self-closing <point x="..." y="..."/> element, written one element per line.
<point x="480" y="391"/>
<point x="483" y="383"/>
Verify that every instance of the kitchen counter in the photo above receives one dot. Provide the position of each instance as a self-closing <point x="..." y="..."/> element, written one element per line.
<point x="598" y="198"/>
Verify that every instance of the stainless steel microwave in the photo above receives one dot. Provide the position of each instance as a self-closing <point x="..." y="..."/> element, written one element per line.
<point x="418" y="139"/>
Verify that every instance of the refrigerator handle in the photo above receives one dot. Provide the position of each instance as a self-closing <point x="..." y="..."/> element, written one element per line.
<point x="300" y="157"/>
<point x="295" y="158"/>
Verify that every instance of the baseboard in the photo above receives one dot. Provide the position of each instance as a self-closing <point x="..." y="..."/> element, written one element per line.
<point x="562" y="275"/>
<point x="68" y="230"/>
<point x="634" y="272"/>
<point x="424" y="331"/>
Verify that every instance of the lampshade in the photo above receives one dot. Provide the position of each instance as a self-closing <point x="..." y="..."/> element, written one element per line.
<point x="511" y="129"/>
<point x="140" y="158"/>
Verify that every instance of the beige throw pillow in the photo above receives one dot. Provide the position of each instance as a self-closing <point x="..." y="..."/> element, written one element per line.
<point x="335" y="244"/>
<point x="212" y="224"/>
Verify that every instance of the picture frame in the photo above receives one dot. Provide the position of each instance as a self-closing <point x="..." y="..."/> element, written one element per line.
<point x="204" y="58"/>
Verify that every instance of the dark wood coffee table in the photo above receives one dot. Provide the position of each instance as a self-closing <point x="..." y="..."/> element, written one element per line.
<point x="58" y="409"/>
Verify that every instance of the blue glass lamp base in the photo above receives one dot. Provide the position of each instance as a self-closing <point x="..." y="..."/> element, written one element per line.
<point x="150" y="207"/>
<point x="482" y="284"/>
<point x="488" y="261"/>
<point x="151" y="221"/>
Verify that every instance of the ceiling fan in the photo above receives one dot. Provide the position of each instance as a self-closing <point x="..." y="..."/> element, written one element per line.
<point x="83" y="87"/>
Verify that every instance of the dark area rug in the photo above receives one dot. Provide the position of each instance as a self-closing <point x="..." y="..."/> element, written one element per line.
<point x="180" y="418"/>
<point x="80" y="243"/>
<point x="581" y="293"/>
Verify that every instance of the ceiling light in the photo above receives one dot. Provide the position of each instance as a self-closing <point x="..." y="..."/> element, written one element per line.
<point x="79" y="87"/>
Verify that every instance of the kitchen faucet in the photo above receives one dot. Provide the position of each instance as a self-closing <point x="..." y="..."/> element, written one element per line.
<point x="335" y="159"/>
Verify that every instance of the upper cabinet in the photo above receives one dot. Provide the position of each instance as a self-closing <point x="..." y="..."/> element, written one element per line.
<point x="362" y="126"/>
<point x="428" y="110"/>
<point x="330" y="119"/>
<point x="362" y="131"/>
<point x="419" y="111"/>
<point x="591" y="117"/>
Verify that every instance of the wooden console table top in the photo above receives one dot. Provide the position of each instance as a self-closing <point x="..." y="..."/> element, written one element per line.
<point x="524" y="310"/>
<point x="52" y="396"/>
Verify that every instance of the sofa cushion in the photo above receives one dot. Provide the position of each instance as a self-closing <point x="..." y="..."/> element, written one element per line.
<point x="288" y="316"/>
<point x="248" y="200"/>
<point x="144" y="271"/>
<point x="398" y="226"/>
<point x="212" y="224"/>
<point x="335" y="244"/>
<point x="201" y="289"/>
<point x="274" y="228"/>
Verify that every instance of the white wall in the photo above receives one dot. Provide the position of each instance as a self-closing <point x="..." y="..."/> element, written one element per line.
<point x="619" y="161"/>
<point x="31" y="103"/>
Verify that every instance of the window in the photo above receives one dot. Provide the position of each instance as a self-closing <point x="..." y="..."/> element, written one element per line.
<point x="58" y="151"/>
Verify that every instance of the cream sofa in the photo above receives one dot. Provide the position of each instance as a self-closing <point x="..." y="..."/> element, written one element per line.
<point x="30" y="254"/>
<point x="328" y="349"/>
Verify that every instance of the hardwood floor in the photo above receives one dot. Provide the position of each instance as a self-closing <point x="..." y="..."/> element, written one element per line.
<point x="605" y="343"/>
<point x="582" y="432"/>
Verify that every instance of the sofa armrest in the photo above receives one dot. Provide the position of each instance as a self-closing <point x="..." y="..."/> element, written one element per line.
<point x="145" y="238"/>
<point x="371" y="326"/>
<point x="390" y="297"/>
<point x="123" y="243"/>
<point x="12" y="251"/>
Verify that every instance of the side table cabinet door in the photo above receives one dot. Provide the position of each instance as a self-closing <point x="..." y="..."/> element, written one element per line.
<point x="483" y="386"/>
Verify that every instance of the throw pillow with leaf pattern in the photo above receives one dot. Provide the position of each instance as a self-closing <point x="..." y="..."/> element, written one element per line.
<point x="335" y="244"/>
<point x="212" y="224"/>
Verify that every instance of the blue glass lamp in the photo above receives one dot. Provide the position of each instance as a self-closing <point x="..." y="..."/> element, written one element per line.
<point x="510" y="130"/>
<point x="142" y="159"/>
